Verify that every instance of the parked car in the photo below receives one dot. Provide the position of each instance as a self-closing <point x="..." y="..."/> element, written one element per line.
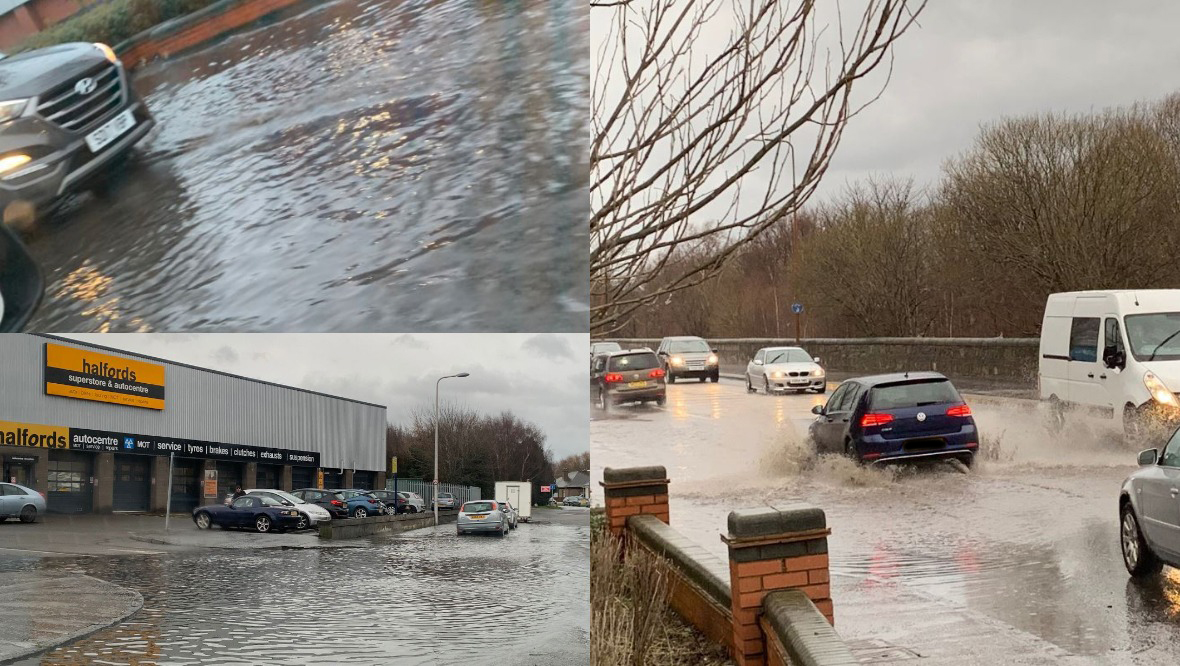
<point x="913" y="416"/>
<point x="329" y="500"/>
<point x="1149" y="521"/>
<point x="688" y="356"/>
<point x="482" y="516"/>
<point x="785" y="369"/>
<point x="390" y="499"/>
<point x="414" y="502"/>
<point x="17" y="501"/>
<point x="576" y="500"/>
<point x="21" y="283"/>
<point x="310" y="514"/>
<point x="597" y="348"/>
<point x="362" y="503"/>
<point x="632" y="375"/>
<point x="510" y="511"/>
<point x="1113" y="353"/>
<point x="255" y="511"/>
<point x="70" y="112"/>
<point x="445" y="501"/>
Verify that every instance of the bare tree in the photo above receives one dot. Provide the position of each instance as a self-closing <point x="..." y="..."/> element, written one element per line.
<point x="713" y="119"/>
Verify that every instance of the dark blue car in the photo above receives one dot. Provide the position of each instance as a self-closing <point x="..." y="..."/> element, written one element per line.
<point x="256" y="512"/>
<point x="361" y="503"/>
<point x="914" y="416"/>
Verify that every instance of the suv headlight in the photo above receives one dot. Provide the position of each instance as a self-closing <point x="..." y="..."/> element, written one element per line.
<point x="108" y="52"/>
<point x="13" y="108"/>
<point x="676" y="360"/>
<point x="1159" y="392"/>
<point x="712" y="359"/>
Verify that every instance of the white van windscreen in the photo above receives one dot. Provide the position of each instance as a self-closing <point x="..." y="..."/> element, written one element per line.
<point x="1154" y="336"/>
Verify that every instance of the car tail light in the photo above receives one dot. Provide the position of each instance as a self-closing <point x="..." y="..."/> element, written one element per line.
<point x="875" y="420"/>
<point x="959" y="410"/>
<point x="612" y="377"/>
<point x="337" y="503"/>
<point x="656" y="374"/>
<point x="372" y="501"/>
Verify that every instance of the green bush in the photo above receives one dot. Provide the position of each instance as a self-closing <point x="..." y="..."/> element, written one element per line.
<point x="113" y="22"/>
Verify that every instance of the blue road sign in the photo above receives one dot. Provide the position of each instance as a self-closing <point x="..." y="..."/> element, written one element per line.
<point x="797" y="308"/>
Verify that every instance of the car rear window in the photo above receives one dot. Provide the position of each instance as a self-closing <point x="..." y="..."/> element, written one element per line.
<point x="913" y="394"/>
<point x="479" y="507"/>
<point x="641" y="361"/>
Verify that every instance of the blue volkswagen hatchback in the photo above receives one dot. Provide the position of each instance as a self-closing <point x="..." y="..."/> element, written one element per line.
<point x="908" y="417"/>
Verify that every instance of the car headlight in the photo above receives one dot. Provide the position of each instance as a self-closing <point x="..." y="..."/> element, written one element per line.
<point x="818" y="372"/>
<point x="777" y="374"/>
<point x="1159" y="392"/>
<point x="712" y="359"/>
<point x="676" y="360"/>
<point x="12" y="109"/>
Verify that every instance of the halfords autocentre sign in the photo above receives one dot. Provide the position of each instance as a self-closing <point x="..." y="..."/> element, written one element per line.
<point x="100" y="441"/>
<point x="89" y="375"/>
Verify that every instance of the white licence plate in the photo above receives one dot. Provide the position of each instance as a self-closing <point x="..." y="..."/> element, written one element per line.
<point x="110" y="130"/>
<point x="800" y="381"/>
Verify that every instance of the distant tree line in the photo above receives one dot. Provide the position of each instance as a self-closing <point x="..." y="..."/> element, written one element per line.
<point x="575" y="463"/>
<point x="474" y="449"/>
<point x="1037" y="205"/>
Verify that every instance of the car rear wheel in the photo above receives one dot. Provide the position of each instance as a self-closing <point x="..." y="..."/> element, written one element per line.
<point x="28" y="515"/>
<point x="360" y="512"/>
<point x="204" y="520"/>
<point x="262" y="523"/>
<point x="1137" y="555"/>
<point x="850" y="451"/>
<point x="662" y="400"/>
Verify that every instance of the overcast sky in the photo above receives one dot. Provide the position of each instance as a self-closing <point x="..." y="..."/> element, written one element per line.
<point x="540" y="378"/>
<point x="973" y="62"/>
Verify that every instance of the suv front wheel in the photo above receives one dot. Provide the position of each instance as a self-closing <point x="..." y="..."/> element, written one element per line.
<point x="668" y="376"/>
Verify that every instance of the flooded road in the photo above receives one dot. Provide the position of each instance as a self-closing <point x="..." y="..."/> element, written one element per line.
<point x="1016" y="563"/>
<point x="422" y="597"/>
<point x="367" y="165"/>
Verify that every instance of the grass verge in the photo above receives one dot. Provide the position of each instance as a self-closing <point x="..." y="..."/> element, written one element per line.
<point x="631" y="624"/>
<point x="112" y="22"/>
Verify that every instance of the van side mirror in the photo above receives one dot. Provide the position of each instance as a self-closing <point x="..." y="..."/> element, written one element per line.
<point x="818" y="410"/>
<point x="1115" y="359"/>
<point x="1148" y="457"/>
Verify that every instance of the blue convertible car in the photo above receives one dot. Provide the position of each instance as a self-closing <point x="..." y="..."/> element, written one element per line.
<point x="258" y="512"/>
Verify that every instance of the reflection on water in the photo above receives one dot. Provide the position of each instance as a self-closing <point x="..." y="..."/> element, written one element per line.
<point x="379" y="164"/>
<point x="422" y="598"/>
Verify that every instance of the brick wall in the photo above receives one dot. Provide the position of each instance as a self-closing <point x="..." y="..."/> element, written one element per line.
<point x="632" y="492"/>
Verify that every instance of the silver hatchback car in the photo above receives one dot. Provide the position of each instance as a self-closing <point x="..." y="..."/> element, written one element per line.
<point x="1149" y="512"/>
<point x="20" y="501"/>
<point x="482" y="516"/>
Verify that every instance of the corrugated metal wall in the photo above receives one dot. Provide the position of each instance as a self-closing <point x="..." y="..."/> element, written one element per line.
<point x="201" y="405"/>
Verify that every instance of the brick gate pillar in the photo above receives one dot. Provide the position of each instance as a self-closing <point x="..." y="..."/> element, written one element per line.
<point x="774" y="548"/>
<point x="632" y="491"/>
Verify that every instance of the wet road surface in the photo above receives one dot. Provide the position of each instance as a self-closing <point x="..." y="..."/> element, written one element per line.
<point x="1016" y="563"/>
<point x="422" y="597"/>
<point x="368" y="165"/>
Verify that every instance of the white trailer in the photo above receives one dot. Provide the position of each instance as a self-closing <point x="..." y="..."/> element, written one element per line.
<point x="519" y="494"/>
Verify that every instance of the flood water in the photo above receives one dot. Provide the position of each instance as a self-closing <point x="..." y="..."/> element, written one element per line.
<point x="365" y="165"/>
<point x="424" y="597"/>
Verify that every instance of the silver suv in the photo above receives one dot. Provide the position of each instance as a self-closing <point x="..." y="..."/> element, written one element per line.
<point x="688" y="356"/>
<point x="66" y="112"/>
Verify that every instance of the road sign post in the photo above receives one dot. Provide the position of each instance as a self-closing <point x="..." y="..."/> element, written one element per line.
<point x="797" y="308"/>
<point x="393" y="470"/>
<point x="168" y="503"/>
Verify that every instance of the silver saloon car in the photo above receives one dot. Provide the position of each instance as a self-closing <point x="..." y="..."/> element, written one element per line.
<point x="482" y="516"/>
<point x="1149" y="517"/>
<point x="17" y="501"/>
<point x="785" y="369"/>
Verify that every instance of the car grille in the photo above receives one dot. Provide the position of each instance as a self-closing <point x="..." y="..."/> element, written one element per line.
<point x="796" y="373"/>
<point x="70" y="110"/>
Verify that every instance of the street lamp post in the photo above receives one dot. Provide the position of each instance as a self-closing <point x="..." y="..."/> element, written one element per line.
<point x="435" y="501"/>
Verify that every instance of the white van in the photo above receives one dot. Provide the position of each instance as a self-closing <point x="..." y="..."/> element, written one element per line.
<point x="1116" y="353"/>
<point x="519" y="494"/>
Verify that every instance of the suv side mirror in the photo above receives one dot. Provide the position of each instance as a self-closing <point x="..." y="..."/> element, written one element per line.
<point x="818" y="410"/>
<point x="1148" y="457"/>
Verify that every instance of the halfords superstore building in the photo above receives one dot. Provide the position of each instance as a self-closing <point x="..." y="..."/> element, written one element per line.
<point x="94" y="428"/>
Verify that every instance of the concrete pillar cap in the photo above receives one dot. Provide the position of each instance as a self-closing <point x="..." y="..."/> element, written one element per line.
<point x="765" y="521"/>
<point x="632" y="474"/>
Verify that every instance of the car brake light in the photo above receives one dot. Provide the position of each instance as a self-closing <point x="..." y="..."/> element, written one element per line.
<point x="875" y="420"/>
<point x="372" y="501"/>
<point x="337" y="503"/>
<point x="656" y="374"/>
<point x="612" y="377"/>
<point x="959" y="410"/>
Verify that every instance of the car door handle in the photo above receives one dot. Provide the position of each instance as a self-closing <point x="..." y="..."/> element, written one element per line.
<point x="1174" y="492"/>
<point x="1101" y="376"/>
<point x="1090" y="375"/>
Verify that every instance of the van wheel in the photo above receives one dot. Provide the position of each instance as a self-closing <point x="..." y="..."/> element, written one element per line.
<point x="1137" y="555"/>
<point x="1054" y="415"/>
<point x="1135" y="425"/>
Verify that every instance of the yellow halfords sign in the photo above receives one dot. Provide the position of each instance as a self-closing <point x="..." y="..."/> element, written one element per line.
<point x="31" y="434"/>
<point x="89" y="375"/>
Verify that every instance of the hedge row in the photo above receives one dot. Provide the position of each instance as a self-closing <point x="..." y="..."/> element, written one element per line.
<point x="112" y="22"/>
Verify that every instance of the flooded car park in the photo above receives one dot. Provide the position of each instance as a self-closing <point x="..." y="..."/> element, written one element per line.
<point x="1018" y="558"/>
<point x="400" y="599"/>
<point x="366" y="165"/>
